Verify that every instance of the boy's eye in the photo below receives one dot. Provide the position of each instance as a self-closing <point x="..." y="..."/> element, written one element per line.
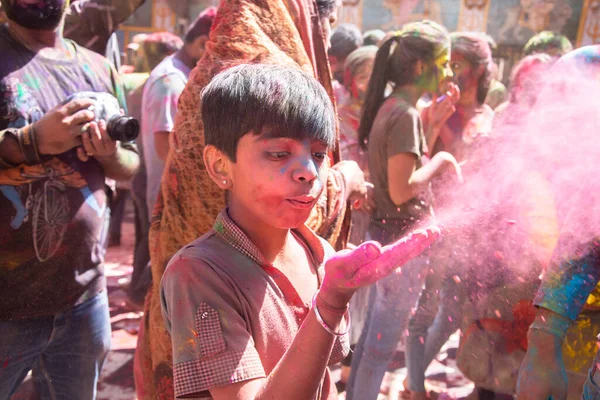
<point x="278" y="154"/>
<point x="320" y="156"/>
<point x="455" y="66"/>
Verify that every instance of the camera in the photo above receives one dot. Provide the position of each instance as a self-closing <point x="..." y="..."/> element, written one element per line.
<point x="106" y="106"/>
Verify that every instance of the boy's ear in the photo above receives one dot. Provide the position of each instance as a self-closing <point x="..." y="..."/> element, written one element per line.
<point x="217" y="164"/>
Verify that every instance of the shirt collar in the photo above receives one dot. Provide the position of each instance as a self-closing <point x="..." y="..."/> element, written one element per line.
<point x="229" y="231"/>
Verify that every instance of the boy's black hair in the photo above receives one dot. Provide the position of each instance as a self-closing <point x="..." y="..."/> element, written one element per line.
<point x="248" y="98"/>
<point x="344" y="40"/>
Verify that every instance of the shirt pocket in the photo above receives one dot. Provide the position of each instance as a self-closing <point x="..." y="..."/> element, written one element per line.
<point x="210" y="333"/>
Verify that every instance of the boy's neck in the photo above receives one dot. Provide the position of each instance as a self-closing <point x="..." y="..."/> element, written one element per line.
<point x="269" y="240"/>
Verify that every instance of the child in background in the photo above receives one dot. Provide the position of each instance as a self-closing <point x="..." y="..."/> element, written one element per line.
<point x="357" y="72"/>
<point x="344" y="40"/>
<point x="415" y="61"/>
<point x="253" y="309"/>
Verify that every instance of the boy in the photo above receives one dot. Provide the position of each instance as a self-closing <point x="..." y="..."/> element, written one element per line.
<point x="240" y="302"/>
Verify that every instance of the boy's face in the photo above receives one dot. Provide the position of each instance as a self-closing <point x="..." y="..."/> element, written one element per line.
<point x="276" y="179"/>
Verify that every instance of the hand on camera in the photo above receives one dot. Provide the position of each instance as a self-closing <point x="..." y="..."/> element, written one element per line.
<point x="60" y="129"/>
<point x="96" y="142"/>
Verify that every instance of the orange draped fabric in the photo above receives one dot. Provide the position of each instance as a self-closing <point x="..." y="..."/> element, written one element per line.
<point x="283" y="32"/>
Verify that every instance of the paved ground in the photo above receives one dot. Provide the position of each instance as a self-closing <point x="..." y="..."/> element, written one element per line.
<point x="116" y="382"/>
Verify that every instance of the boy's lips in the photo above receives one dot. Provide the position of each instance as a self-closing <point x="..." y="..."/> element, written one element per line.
<point x="302" y="201"/>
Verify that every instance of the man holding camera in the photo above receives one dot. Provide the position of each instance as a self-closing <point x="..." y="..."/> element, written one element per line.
<point x="54" y="157"/>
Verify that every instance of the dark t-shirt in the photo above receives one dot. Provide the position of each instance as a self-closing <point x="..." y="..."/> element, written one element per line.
<point x="53" y="216"/>
<point x="397" y="129"/>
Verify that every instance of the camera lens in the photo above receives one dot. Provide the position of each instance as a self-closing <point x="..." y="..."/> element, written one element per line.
<point x="123" y="129"/>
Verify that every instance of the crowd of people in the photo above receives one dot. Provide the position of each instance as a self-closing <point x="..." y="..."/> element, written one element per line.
<point x="291" y="175"/>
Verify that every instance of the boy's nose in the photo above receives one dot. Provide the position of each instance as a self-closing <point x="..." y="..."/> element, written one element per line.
<point x="306" y="172"/>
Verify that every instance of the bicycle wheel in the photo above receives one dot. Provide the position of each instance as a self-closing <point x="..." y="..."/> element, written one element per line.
<point x="50" y="221"/>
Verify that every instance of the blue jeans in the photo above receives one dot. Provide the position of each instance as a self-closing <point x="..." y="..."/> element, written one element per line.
<point x="591" y="390"/>
<point x="437" y="317"/>
<point x="391" y="302"/>
<point x="65" y="352"/>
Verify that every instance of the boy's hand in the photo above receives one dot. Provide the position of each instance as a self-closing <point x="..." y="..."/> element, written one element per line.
<point x="349" y="270"/>
<point x="542" y="375"/>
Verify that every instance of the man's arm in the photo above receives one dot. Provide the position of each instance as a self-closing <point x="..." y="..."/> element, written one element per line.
<point x="568" y="284"/>
<point x="90" y="23"/>
<point x="561" y="297"/>
<point x="162" y="98"/>
<point x="122" y="165"/>
<point x="59" y="130"/>
<point x="10" y="152"/>
<point x="161" y="144"/>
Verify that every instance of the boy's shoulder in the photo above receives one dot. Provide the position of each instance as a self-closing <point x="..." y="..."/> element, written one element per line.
<point x="207" y="250"/>
<point x="213" y="255"/>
